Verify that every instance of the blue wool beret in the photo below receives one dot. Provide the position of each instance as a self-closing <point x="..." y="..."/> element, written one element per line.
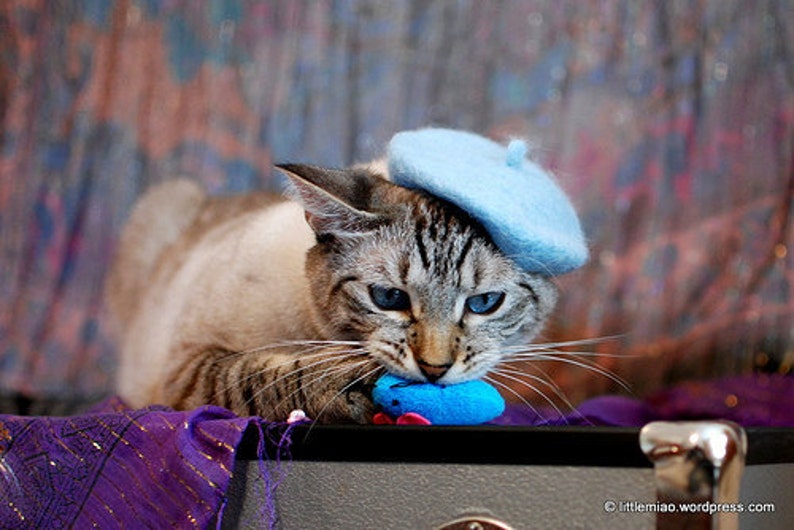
<point x="526" y="214"/>
<point x="469" y="403"/>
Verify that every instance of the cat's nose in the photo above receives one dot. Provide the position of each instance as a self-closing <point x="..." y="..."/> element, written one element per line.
<point x="433" y="372"/>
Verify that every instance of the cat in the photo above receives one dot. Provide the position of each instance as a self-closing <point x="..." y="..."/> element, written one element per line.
<point x="264" y="304"/>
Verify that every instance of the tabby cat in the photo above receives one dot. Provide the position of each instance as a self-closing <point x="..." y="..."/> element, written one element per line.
<point x="264" y="305"/>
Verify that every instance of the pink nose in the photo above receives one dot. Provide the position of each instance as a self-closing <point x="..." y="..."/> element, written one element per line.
<point x="433" y="372"/>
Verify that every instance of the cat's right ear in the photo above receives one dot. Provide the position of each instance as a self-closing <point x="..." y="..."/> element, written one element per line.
<point x="337" y="201"/>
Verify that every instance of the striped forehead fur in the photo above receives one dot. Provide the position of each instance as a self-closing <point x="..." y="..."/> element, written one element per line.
<point x="444" y="235"/>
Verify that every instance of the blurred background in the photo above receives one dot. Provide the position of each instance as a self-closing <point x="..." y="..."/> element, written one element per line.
<point x="668" y="122"/>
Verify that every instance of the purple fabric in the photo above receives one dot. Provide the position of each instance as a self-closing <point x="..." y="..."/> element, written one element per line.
<point x="151" y="468"/>
<point x="614" y="411"/>
<point x="160" y="468"/>
<point x="763" y="400"/>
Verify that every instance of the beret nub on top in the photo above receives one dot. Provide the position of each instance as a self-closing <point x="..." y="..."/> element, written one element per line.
<point x="526" y="214"/>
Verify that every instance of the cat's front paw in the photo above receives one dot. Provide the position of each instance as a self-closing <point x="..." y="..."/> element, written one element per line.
<point x="353" y="404"/>
<point x="359" y="404"/>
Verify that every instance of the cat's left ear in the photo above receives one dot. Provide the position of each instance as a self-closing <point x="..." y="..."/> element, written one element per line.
<point x="337" y="201"/>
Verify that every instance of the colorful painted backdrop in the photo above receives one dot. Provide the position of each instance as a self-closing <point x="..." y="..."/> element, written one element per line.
<point x="670" y="124"/>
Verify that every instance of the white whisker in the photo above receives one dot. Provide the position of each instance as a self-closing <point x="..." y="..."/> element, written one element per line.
<point x="280" y="380"/>
<point x="562" y="344"/>
<point x="324" y="358"/>
<point x="311" y="345"/>
<point x="545" y="378"/>
<point x="549" y="351"/>
<point x="323" y="355"/>
<point x="584" y="363"/>
<point x="533" y="354"/>
<point x="508" y="388"/>
<point x="346" y="388"/>
<point x="535" y="389"/>
<point x="330" y="372"/>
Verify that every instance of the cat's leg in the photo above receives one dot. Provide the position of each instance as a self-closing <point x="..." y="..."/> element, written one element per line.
<point x="331" y="384"/>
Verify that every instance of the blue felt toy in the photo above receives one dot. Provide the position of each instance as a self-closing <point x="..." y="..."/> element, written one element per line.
<point x="469" y="403"/>
<point x="521" y="207"/>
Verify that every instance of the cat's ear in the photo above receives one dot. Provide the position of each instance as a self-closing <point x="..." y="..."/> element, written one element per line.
<point x="337" y="201"/>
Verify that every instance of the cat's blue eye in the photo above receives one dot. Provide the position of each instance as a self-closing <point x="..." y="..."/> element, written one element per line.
<point x="485" y="303"/>
<point x="390" y="298"/>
